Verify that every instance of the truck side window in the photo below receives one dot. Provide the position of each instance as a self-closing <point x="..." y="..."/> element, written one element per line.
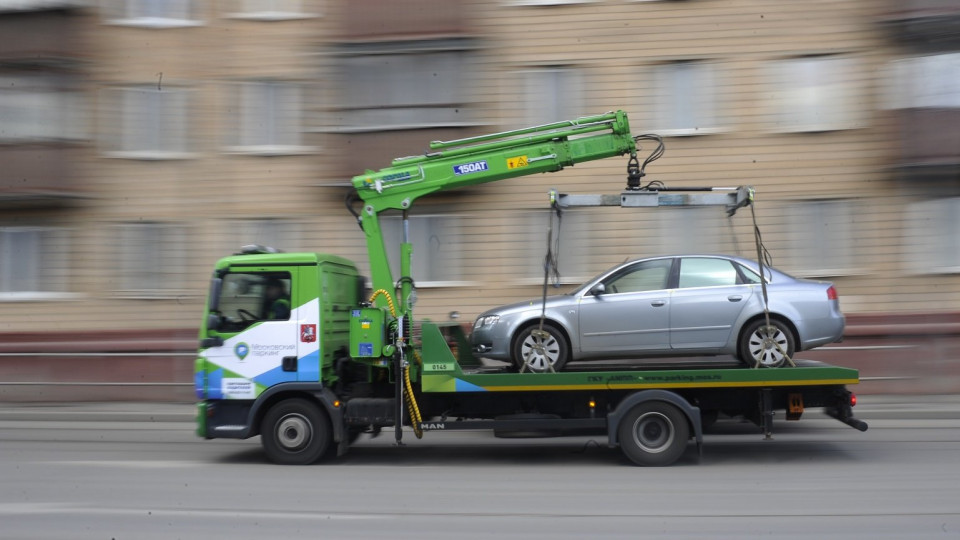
<point x="250" y="297"/>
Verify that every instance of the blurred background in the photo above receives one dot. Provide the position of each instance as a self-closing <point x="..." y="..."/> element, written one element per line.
<point x="141" y="140"/>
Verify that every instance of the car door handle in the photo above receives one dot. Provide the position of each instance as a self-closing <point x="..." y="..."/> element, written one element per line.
<point x="658" y="303"/>
<point x="735" y="298"/>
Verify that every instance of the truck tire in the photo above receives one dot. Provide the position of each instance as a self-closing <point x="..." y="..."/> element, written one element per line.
<point x="541" y="352"/>
<point x="753" y="349"/>
<point x="653" y="433"/>
<point x="295" y="432"/>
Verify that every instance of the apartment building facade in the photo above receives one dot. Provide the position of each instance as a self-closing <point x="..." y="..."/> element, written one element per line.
<point x="143" y="139"/>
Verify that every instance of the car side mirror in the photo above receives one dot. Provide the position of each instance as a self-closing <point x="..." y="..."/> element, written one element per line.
<point x="598" y="289"/>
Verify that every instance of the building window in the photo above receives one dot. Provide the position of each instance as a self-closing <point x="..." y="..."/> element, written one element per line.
<point x="273" y="10"/>
<point x="39" y="107"/>
<point x="931" y="242"/>
<point x="925" y="81"/>
<point x="265" y="117"/>
<point x="820" y="236"/>
<point x="814" y="93"/>
<point x="437" y="248"/>
<point x="152" y="13"/>
<point x="552" y="94"/>
<point x="403" y="86"/>
<point x="152" y="259"/>
<point x="685" y="98"/>
<point x="146" y="122"/>
<point x="33" y="262"/>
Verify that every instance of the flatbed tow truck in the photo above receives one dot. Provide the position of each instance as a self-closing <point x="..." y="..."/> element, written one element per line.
<point x="293" y="348"/>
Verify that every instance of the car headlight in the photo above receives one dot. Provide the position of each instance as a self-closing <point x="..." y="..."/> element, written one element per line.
<point x="489" y="320"/>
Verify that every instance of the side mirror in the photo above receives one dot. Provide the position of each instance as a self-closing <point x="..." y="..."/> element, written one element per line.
<point x="213" y="321"/>
<point x="598" y="289"/>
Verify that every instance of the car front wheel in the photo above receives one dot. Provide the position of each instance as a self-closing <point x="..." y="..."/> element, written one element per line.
<point x="766" y="346"/>
<point x="540" y="350"/>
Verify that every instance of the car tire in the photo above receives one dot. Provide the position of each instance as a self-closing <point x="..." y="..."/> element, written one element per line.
<point x="295" y="432"/>
<point x="653" y="434"/>
<point x="540" y="353"/>
<point x="754" y="350"/>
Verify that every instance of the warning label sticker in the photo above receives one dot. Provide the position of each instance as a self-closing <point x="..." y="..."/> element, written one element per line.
<point x="517" y="162"/>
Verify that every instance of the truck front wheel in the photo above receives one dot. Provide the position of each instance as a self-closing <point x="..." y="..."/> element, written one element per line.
<point x="653" y="434"/>
<point x="295" y="432"/>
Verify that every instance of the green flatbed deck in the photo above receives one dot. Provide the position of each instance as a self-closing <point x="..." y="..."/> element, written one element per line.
<point x="443" y="372"/>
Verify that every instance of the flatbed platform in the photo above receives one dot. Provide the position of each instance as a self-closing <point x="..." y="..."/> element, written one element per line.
<point x="442" y="372"/>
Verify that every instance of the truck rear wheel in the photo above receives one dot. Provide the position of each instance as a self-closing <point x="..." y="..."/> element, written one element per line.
<point x="653" y="433"/>
<point x="295" y="432"/>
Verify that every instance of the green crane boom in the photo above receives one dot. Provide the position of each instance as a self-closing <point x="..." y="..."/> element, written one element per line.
<point x="471" y="161"/>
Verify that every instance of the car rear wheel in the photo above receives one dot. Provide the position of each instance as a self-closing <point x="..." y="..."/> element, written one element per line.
<point x="540" y="350"/>
<point x="766" y="346"/>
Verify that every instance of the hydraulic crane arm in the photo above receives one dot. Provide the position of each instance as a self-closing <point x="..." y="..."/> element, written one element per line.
<point x="477" y="160"/>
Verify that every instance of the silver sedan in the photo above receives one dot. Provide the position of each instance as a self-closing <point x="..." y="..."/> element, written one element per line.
<point x="666" y="306"/>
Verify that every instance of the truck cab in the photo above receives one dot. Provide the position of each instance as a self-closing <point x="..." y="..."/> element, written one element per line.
<point x="272" y="319"/>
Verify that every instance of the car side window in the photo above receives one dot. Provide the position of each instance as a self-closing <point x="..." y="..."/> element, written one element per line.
<point x="645" y="276"/>
<point x="703" y="272"/>
<point x="749" y="276"/>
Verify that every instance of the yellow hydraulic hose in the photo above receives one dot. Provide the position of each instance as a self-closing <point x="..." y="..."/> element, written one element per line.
<point x="412" y="408"/>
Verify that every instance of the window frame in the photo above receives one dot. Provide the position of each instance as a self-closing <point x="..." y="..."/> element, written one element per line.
<point x="125" y="13"/>
<point x="237" y="97"/>
<point x="834" y="108"/>
<point x="155" y="268"/>
<point x="705" y="95"/>
<point x="374" y="112"/>
<point x="52" y="252"/>
<point x="391" y="230"/>
<point x="123" y="117"/>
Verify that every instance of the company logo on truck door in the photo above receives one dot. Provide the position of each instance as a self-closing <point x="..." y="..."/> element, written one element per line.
<point x="472" y="167"/>
<point x="241" y="350"/>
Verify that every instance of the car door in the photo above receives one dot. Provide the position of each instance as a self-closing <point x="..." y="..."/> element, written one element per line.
<point x="706" y="304"/>
<point x="631" y="314"/>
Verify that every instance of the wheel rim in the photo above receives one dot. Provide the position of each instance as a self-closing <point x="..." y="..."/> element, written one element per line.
<point x="653" y="432"/>
<point x="294" y="432"/>
<point x="540" y="352"/>
<point x="768" y="346"/>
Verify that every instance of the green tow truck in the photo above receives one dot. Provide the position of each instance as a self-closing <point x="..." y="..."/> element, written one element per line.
<point x="295" y="348"/>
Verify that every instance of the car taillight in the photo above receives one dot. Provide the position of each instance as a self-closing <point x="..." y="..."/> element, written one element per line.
<point x="832" y="293"/>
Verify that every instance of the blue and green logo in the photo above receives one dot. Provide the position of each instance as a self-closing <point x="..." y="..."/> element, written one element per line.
<point x="241" y="350"/>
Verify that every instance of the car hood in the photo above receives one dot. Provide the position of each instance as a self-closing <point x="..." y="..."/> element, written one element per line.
<point x="530" y="305"/>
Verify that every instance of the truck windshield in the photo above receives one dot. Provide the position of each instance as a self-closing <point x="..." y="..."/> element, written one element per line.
<point x="250" y="297"/>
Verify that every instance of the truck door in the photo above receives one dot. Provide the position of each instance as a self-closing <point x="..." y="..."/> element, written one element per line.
<point x="706" y="304"/>
<point x="260" y="330"/>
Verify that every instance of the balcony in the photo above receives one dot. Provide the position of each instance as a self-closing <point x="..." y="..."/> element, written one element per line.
<point x="925" y="24"/>
<point x="38" y="175"/>
<point x="360" y="20"/>
<point x="41" y="38"/>
<point x="929" y="141"/>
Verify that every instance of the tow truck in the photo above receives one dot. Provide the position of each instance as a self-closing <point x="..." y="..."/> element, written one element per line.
<point x="333" y="361"/>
